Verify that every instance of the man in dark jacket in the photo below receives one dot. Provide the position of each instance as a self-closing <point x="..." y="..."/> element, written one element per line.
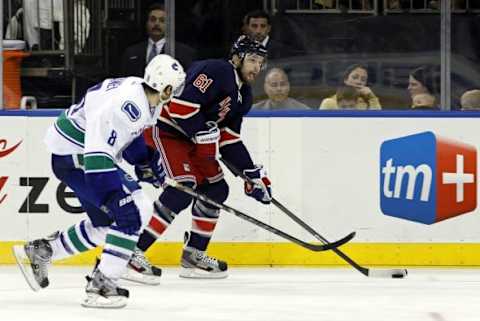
<point x="257" y="25"/>
<point x="137" y="56"/>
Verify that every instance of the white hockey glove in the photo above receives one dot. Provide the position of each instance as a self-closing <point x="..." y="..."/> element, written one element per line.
<point x="260" y="189"/>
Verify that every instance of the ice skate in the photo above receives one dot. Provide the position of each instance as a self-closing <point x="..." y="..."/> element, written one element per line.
<point x="197" y="264"/>
<point x="103" y="292"/>
<point x="140" y="270"/>
<point x="33" y="259"/>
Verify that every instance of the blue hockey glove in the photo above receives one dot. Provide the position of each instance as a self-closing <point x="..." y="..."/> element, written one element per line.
<point x="151" y="172"/>
<point x="124" y="212"/>
<point x="260" y="189"/>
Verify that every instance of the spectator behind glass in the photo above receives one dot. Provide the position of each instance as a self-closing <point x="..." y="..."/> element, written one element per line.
<point x="277" y="88"/>
<point x="470" y="100"/>
<point x="422" y="81"/>
<point x="347" y="97"/>
<point x="257" y="26"/>
<point x="424" y="101"/>
<point x="39" y="18"/>
<point x="355" y="76"/>
<point x="137" y="56"/>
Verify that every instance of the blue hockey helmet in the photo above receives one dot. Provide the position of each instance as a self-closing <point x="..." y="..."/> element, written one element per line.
<point x="245" y="45"/>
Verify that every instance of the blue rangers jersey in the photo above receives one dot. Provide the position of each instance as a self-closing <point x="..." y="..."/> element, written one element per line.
<point x="213" y="92"/>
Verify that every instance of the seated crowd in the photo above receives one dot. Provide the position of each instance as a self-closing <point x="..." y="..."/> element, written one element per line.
<point x="352" y="91"/>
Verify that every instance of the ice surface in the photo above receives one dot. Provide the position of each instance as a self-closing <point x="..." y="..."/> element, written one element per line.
<point x="267" y="294"/>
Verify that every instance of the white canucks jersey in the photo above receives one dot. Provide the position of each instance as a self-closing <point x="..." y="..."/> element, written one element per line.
<point x="108" y="118"/>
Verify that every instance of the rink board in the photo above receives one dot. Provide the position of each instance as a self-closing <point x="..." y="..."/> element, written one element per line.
<point x="325" y="168"/>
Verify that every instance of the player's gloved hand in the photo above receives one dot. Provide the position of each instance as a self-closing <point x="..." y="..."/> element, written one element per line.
<point x="260" y="188"/>
<point x="152" y="172"/>
<point x="207" y="142"/>
<point x="124" y="212"/>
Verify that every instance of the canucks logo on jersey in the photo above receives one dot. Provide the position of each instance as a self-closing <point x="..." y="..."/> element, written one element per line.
<point x="132" y="111"/>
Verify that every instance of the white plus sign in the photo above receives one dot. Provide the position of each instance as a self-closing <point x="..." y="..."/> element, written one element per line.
<point x="458" y="178"/>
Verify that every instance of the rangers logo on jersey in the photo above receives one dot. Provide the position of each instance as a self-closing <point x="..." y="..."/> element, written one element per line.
<point x="224" y="108"/>
<point x="202" y="82"/>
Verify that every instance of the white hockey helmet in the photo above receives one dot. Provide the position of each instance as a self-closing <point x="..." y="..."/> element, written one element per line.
<point x="164" y="71"/>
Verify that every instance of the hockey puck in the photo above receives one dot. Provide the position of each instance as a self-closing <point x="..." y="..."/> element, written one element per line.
<point x="399" y="275"/>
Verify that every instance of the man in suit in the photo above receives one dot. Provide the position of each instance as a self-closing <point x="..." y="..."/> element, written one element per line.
<point x="137" y="56"/>
<point x="257" y="26"/>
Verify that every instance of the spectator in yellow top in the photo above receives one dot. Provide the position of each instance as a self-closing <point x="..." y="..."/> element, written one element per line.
<point x="470" y="100"/>
<point x="355" y="76"/>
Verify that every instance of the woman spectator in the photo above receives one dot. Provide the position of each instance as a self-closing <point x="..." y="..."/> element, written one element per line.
<point x="355" y="76"/>
<point x="422" y="81"/>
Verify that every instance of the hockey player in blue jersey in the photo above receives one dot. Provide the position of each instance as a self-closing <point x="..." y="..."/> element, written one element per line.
<point x="192" y="130"/>
<point x="87" y="141"/>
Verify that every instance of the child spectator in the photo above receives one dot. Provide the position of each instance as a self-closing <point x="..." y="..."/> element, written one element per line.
<point x="355" y="76"/>
<point x="424" y="102"/>
<point x="347" y="97"/>
<point x="470" y="100"/>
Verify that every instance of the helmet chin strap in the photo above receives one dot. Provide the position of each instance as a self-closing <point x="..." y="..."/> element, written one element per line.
<point x="158" y="108"/>
<point x="163" y="102"/>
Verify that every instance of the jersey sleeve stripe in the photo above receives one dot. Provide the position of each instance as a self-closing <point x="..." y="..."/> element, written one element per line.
<point x="167" y="120"/>
<point x="182" y="109"/>
<point x="69" y="130"/>
<point x="185" y="103"/>
<point x="98" y="163"/>
<point x="61" y="133"/>
<point x="77" y="126"/>
<point x="228" y="136"/>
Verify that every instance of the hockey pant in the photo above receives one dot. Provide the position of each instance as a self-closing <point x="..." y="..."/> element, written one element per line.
<point x="183" y="165"/>
<point x="98" y="228"/>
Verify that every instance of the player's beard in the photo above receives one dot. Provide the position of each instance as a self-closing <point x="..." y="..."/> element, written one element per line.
<point x="249" y="78"/>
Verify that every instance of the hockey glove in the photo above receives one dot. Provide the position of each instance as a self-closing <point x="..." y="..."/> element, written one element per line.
<point x="151" y="172"/>
<point x="124" y="212"/>
<point x="207" y="142"/>
<point x="259" y="189"/>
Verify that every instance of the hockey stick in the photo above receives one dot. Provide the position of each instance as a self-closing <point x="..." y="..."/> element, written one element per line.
<point x="203" y="198"/>
<point x="376" y="273"/>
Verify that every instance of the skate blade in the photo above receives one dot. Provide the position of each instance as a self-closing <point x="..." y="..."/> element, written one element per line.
<point x="25" y="266"/>
<point x="100" y="302"/>
<point x="137" y="277"/>
<point x="193" y="273"/>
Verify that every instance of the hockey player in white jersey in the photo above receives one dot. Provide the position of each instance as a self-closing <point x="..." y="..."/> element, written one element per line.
<point x="87" y="141"/>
